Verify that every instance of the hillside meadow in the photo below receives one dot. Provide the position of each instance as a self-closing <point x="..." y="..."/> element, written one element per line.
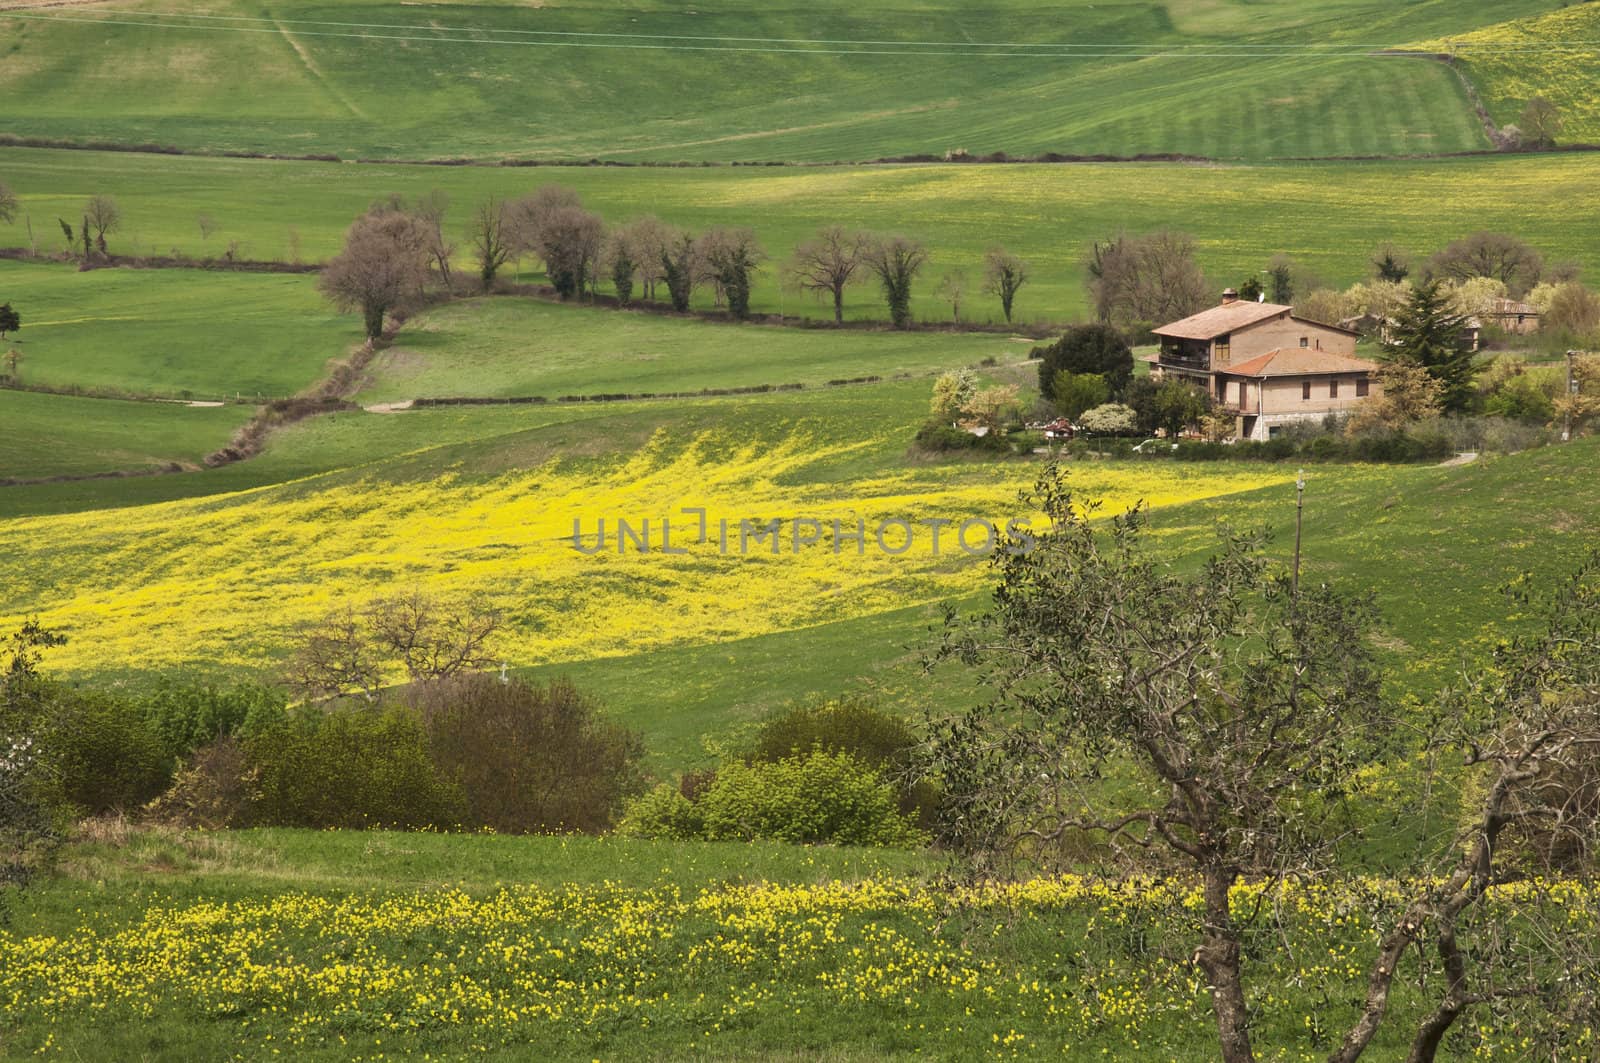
<point x="57" y="435"/>
<point x="1327" y="216"/>
<point x="1554" y="55"/>
<point x="190" y="334"/>
<point x="374" y="945"/>
<point x="830" y="82"/>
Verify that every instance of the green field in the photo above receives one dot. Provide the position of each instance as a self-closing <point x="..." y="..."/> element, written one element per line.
<point x="57" y="435"/>
<point x="370" y="945"/>
<point x="1328" y="216"/>
<point x="172" y="333"/>
<point x="510" y="346"/>
<point x="835" y="82"/>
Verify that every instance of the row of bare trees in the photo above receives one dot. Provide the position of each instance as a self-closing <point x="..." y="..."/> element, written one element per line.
<point x="392" y="251"/>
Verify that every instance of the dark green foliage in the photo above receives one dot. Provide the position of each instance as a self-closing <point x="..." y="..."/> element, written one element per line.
<point x="530" y="758"/>
<point x="10" y="320"/>
<point x="678" y="267"/>
<point x="1178" y="405"/>
<point x="1251" y="290"/>
<point x="102" y="754"/>
<point x="1282" y="277"/>
<point x="622" y="271"/>
<point x="27" y="827"/>
<point x="356" y="768"/>
<point x="1427" y="332"/>
<point x="938" y="437"/>
<point x="1077" y="392"/>
<point x="186" y="716"/>
<point x="1097" y="349"/>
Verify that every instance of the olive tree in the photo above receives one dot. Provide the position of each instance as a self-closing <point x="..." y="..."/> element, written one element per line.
<point x="1243" y="708"/>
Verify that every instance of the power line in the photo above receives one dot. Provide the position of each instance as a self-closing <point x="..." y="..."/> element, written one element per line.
<point x="423" y="34"/>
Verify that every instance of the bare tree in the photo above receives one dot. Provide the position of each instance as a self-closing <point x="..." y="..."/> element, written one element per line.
<point x="384" y="266"/>
<point x="1003" y="275"/>
<point x="896" y="260"/>
<point x="531" y="214"/>
<point x="1140" y="281"/>
<point x="1541" y="123"/>
<point x="827" y="261"/>
<point x="352" y="651"/>
<point x="102" y="216"/>
<point x="731" y="256"/>
<point x="1484" y="254"/>
<point x="953" y="290"/>
<point x="646" y="239"/>
<point x="430" y="210"/>
<point x="207" y="225"/>
<point x="8" y="204"/>
<point x="492" y="238"/>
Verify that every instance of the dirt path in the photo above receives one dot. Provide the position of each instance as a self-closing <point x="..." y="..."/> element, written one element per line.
<point x="1465" y="458"/>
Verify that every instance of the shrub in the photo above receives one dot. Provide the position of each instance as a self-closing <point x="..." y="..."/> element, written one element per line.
<point x="530" y="758"/>
<point x="212" y="789"/>
<point x="185" y="717"/>
<point x="940" y="438"/>
<point x="102" y="753"/>
<point x="663" y="812"/>
<point x="814" y="797"/>
<point x="363" y="767"/>
<point x="880" y="740"/>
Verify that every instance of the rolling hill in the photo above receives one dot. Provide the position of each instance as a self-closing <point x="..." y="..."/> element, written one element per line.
<point x="655" y="81"/>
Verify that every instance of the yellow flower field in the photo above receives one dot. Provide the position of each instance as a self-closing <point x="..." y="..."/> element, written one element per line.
<point x="226" y="579"/>
<point x="1072" y="965"/>
<point x="1556" y="56"/>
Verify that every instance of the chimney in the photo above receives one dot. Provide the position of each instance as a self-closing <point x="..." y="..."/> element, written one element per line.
<point x="1230" y="295"/>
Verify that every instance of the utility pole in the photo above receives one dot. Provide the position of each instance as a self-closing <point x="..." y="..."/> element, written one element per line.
<point x="1299" y="517"/>
<point x="1572" y="396"/>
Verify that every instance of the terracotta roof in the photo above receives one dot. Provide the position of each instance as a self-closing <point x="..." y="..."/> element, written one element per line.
<point x="1229" y="317"/>
<point x="1298" y="361"/>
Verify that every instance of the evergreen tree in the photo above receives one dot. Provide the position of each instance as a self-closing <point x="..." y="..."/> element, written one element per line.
<point x="1427" y="332"/>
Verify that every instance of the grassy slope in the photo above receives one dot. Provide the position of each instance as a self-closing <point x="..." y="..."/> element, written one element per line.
<point x="509" y="346"/>
<point x="179" y="333"/>
<point x="1248" y="81"/>
<point x="1328" y="216"/>
<point x="55" y="435"/>
<point x="1556" y="56"/>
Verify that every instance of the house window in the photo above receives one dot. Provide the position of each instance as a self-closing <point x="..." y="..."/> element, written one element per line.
<point x="1363" y="388"/>
<point x="1305" y="391"/>
<point x="1333" y="388"/>
<point x="1305" y="341"/>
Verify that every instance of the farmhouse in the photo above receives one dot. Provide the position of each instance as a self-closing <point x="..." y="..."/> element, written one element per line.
<point x="1513" y="317"/>
<point x="1266" y="365"/>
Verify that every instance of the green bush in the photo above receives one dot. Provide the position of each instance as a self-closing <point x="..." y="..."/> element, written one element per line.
<point x="530" y="758"/>
<point x="939" y="437"/>
<point x="102" y="753"/>
<point x="881" y="740"/>
<point x="813" y="797"/>
<point x="186" y="716"/>
<point x="663" y="812"/>
<point x="360" y="767"/>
